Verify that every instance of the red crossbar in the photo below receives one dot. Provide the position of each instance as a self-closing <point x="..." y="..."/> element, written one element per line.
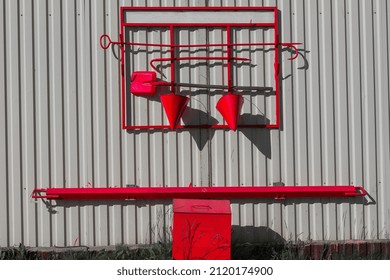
<point x="120" y="193"/>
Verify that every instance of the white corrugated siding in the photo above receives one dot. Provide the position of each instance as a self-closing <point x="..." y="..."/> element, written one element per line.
<point x="60" y="124"/>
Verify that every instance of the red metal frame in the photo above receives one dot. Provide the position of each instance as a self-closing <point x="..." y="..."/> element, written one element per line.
<point x="172" y="46"/>
<point x="197" y="192"/>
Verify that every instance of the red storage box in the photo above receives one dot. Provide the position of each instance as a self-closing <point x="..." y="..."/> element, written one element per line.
<point x="201" y="229"/>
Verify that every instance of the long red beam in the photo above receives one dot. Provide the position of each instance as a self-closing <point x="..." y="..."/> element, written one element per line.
<point x="119" y="193"/>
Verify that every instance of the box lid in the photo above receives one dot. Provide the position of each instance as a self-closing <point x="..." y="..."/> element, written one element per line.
<point x="201" y="206"/>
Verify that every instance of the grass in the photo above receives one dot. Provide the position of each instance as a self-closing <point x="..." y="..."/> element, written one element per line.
<point x="245" y="251"/>
<point x="158" y="251"/>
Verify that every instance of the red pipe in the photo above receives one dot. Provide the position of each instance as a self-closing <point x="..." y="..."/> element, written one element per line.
<point x="197" y="192"/>
<point x="276" y="69"/>
<point x="229" y="59"/>
<point x="172" y="58"/>
<point x="108" y="43"/>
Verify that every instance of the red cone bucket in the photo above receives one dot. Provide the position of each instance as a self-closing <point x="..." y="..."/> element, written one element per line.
<point x="174" y="106"/>
<point x="230" y="108"/>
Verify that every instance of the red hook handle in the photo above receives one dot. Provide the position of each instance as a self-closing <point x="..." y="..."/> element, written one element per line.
<point x="107" y="39"/>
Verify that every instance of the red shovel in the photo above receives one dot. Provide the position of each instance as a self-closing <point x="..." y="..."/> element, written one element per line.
<point x="144" y="83"/>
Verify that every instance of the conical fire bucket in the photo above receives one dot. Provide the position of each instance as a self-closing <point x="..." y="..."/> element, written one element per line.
<point x="174" y="106"/>
<point x="230" y="108"/>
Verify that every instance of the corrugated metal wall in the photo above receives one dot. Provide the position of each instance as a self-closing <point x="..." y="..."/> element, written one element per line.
<point x="60" y="124"/>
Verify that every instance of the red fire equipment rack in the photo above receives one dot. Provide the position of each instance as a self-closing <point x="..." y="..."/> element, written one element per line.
<point x="229" y="105"/>
<point x="144" y="83"/>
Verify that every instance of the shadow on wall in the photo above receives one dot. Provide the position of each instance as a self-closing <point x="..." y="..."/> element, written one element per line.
<point x="192" y="116"/>
<point x="139" y="203"/>
<point x="239" y="232"/>
<point x="251" y="234"/>
<point x="260" y="138"/>
<point x="52" y="205"/>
